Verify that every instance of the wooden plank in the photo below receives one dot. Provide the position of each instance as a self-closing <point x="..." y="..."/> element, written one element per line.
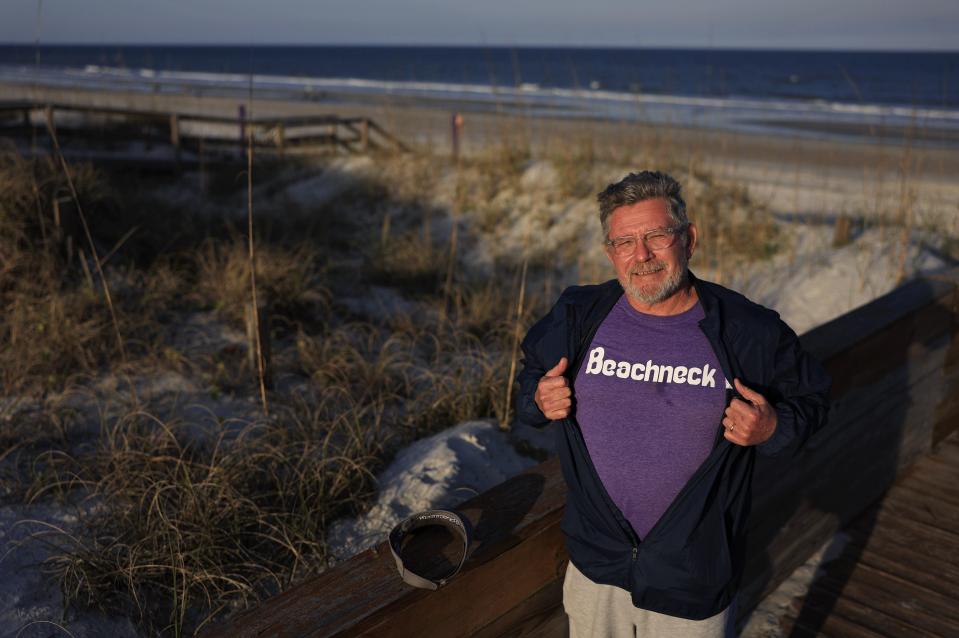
<point x="912" y="607"/>
<point x="556" y="625"/>
<point x="541" y="614"/>
<point x="909" y="596"/>
<point x="947" y="413"/>
<point x="940" y="469"/>
<point x="947" y="452"/>
<point x="890" y="401"/>
<point x="920" y="529"/>
<point x="820" y="624"/>
<point x="845" y="332"/>
<point x="949" y="446"/>
<point x="895" y="546"/>
<point x="931" y="509"/>
<point x="911" y="338"/>
<point x="823" y="606"/>
<point x="466" y="604"/>
<point x="779" y="547"/>
<point x="906" y="564"/>
<point x="833" y="479"/>
<point x="926" y="540"/>
<point x="932" y="486"/>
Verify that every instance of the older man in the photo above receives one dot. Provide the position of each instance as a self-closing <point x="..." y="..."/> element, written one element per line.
<point x="665" y="387"/>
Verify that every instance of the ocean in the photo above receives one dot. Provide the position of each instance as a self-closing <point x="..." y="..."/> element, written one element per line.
<point x="832" y="93"/>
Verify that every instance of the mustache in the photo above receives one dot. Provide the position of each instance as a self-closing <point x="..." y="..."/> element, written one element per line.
<point x="647" y="268"/>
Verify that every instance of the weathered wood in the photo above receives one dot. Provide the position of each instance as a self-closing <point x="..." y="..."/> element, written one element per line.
<point x="279" y="136"/>
<point x="931" y="481"/>
<point x="947" y="452"/>
<point x="841" y="231"/>
<point x="923" y="506"/>
<point x="820" y="604"/>
<point x="541" y="614"/>
<point x="901" y="561"/>
<point x="506" y="583"/>
<point x="843" y="333"/>
<point x="925" y="540"/>
<point x="903" y="598"/>
<point x="890" y="377"/>
<point x="175" y="131"/>
<point x="906" y="606"/>
<point x="832" y="625"/>
<point x="796" y="512"/>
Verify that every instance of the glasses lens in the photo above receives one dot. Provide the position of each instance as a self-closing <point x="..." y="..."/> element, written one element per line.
<point x="624" y="246"/>
<point x="659" y="240"/>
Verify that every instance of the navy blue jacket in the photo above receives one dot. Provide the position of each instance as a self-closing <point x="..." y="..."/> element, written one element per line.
<point x="690" y="562"/>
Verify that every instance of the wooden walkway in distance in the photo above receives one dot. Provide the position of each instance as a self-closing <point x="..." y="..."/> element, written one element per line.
<point x="899" y="573"/>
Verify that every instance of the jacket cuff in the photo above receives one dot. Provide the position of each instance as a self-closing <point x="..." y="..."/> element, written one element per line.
<point x="784" y="436"/>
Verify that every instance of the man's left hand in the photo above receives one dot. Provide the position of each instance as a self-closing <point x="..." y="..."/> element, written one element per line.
<point x="749" y="422"/>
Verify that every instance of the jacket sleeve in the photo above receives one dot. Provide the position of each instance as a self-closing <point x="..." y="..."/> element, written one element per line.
<point x="543" y="347"/>
<point x="802" y="402"/>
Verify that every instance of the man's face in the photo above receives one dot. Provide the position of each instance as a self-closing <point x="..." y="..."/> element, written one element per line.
<point x="649" y="276"/>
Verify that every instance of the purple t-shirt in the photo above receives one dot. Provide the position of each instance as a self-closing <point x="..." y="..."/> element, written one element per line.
<point x="649" y="399"/>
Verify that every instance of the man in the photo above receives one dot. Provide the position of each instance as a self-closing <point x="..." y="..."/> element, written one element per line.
<point x="665" y="387"/>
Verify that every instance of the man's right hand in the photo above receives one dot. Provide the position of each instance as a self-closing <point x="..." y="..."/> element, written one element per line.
<point x="553" y="395"/>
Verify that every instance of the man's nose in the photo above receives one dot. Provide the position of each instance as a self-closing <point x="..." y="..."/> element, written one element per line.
<point x="641" y="251"/>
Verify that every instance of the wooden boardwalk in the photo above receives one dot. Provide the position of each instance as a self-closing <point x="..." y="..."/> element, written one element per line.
<point x="899" y="573"/>
<point x="187" y="136"/>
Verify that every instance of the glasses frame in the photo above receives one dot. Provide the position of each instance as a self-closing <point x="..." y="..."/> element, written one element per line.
<point x="619" y="249"/>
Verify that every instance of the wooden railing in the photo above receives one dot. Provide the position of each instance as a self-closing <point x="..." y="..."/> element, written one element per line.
<point x="105" y="125"/>
<point x="895" y="365"/>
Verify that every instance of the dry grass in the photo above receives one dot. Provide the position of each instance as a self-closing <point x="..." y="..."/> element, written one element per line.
<point x="179" y="526"/>
<point x="289" y="277"/>
<point x="54" y="322"/>
<point x="411" y="261"/>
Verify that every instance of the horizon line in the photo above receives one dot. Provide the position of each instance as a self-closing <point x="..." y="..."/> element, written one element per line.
<point x="664" y="47"/>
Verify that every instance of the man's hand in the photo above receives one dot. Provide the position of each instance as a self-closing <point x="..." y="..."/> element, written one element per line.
<point x="553" y="396"/>
<point x="749" y="423"/>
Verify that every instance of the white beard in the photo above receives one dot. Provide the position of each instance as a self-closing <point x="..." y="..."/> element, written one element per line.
<point x="670" y="286"/>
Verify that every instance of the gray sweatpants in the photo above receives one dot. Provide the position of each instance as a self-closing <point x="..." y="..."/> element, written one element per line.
<point x="598" y="611"/>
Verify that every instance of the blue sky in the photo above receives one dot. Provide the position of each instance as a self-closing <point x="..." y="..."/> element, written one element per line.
<point x="829" y="24"/>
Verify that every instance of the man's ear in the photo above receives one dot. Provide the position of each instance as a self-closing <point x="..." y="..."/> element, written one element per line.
<point x="692" y="236"/>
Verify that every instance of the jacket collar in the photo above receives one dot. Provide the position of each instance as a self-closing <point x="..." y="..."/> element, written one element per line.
<point x="710" y="304"/>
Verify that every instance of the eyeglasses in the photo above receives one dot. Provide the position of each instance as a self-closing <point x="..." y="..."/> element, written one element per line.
<point x="657" y="239"/>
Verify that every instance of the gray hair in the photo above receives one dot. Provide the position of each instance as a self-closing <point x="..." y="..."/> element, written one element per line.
<point x="639" y="187"/>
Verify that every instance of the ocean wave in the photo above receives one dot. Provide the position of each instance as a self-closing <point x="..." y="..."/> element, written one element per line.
<point x="486" y="91"/>
<point x="725" y="112"/>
